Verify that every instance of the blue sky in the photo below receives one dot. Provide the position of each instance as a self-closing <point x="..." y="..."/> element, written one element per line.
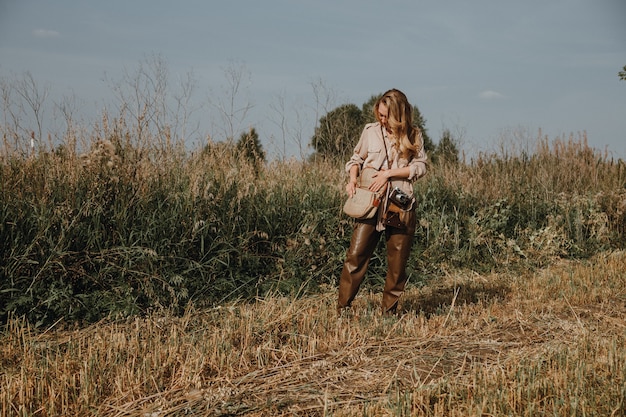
<point x="487" y="70"/>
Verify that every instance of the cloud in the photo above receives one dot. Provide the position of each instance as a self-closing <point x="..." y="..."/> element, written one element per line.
<point x="490" y="95"/>
<point x="45" y="33"/>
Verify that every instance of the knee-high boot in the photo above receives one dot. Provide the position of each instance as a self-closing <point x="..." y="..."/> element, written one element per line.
<point x="362" y="245"/>
<point x="398" y="251"/>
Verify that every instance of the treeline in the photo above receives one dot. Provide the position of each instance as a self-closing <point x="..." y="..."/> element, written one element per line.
<point x="124" y="228"/>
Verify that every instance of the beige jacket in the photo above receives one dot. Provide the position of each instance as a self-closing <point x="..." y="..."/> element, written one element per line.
<point x="370" y="152"/>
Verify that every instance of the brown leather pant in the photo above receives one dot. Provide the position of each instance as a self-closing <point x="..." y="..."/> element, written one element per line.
<point x="364" y="240"/>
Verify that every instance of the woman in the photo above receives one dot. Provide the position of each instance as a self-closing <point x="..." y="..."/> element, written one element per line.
<point x="394" y="147"/>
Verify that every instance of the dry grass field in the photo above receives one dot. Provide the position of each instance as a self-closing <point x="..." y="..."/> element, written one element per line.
<point x="544" y="342"/>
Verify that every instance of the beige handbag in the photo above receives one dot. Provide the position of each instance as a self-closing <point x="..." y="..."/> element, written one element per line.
<point x="364" y="203"/>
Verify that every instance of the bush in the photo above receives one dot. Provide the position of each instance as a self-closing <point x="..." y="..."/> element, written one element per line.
<point x="124" y="229"/>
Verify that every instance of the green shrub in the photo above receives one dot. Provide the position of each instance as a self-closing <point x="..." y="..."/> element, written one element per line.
<point x="123" y="229"/>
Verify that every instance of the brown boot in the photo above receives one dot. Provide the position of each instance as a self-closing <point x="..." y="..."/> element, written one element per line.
<point x="398" y="251"/>
<point x="362" y="245"/>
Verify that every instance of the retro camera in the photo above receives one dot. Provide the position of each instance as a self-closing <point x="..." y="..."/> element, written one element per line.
<point x="400" y="198"/>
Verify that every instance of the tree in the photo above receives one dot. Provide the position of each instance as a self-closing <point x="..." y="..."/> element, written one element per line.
<point x="34" y="97"/>
<point x="250" y="148"/>
<point x="157" y="116"/>
<point x="338" y="131"/>
<point x="232" y="103"/>
<point x="446" y="150"/>
<point x="22" y="104"/>
<point x="419" y="121"/>
<point x="368" y="109"/>
<point x="622" y="74"/>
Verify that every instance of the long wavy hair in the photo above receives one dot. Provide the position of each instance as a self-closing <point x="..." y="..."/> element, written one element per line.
<point x="408" y="138"/>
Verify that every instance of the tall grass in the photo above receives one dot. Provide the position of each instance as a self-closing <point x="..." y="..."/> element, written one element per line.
<point x="561" y="199"/>
<point x="105" y="225"/>
<point x="124" y="228"/>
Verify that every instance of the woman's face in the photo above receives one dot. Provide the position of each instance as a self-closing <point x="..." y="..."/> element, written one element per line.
<point x="383" y="114"/>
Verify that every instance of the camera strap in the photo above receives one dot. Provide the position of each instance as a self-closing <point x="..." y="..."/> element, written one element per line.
<point x="392" y="210"/>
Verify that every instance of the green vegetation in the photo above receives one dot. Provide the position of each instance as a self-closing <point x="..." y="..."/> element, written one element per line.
<point x="124" y="229"/>
<point x="141" y="277"/>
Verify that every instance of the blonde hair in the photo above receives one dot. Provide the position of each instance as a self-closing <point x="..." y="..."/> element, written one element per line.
<point x="408" y="137"/>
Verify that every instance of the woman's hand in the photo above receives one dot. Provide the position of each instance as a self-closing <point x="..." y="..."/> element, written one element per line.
<point x="351" y="188"/>
<point x="381" y="179"/>
<point x="351" y="185"/>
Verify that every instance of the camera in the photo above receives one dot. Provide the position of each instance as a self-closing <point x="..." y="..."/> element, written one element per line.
<point x="400" y="198"/>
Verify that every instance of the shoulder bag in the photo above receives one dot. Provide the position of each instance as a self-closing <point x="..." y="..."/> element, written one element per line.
<point x="364" y="203"/>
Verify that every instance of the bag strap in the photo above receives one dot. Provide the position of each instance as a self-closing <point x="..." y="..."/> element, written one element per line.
<point x="382" y="133"/>
<point x="388" y="166"/>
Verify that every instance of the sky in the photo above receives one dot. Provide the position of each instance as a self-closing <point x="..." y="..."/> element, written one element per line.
<point x="489" y="71"/>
